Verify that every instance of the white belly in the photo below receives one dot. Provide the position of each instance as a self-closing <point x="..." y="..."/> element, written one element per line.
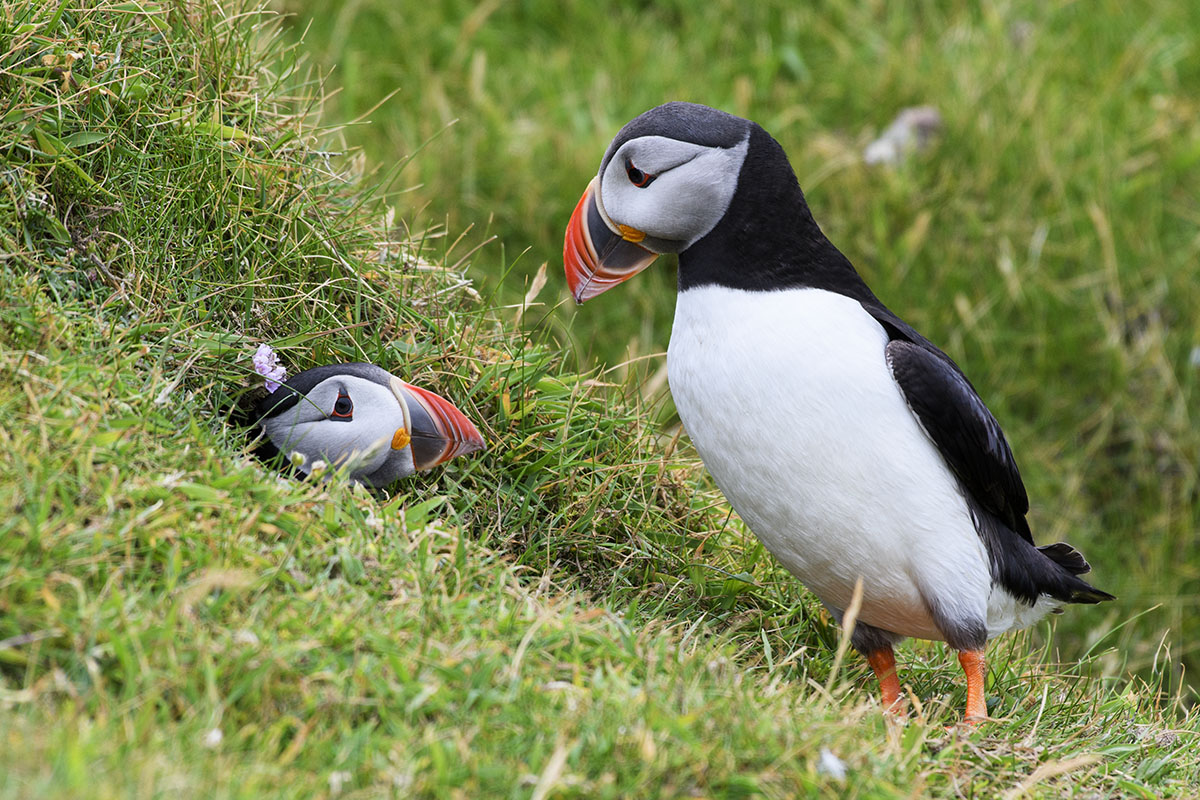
<point x="788" y="398"/>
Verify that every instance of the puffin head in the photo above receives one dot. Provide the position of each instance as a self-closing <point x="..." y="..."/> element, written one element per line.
<point x="665" y="182"/>
<point x="362" y="417"/>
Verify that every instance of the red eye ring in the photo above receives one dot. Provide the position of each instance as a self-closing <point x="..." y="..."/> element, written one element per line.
<point x="343" y="407"/>
<point x="636" y="176"/>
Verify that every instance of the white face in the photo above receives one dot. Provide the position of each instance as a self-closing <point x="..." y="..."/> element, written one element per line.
<point x="688" y="191"/>
<point x="344" y="420"/>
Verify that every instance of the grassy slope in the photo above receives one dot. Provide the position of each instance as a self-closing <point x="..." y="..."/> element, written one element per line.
<point x="562" y="617"/>
<point x="1048" y="241"/>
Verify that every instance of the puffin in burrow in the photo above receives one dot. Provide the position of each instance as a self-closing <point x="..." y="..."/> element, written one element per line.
<point x="854" y="448"/>
<point x="362" y="418"/>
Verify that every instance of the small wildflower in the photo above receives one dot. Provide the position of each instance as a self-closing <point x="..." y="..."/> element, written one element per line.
<point x="266" y="363"/>
<point x="245" y="638"/>
<point x="372" y="521"/>
<point x="213" y="738"/>
<point x="296" y="459"/>
<point x="337" y="780"/>
<point x="829" y="764"/>
<point x="171" y="479"/>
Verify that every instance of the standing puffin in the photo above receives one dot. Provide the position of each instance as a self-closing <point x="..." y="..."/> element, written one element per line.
<point x="362" y="417"/>
<point x="854" y="448"/>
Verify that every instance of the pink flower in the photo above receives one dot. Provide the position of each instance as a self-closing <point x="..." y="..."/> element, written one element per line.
<point x="266" y="363"/>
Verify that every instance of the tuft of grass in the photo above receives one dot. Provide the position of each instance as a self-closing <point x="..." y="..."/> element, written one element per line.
<point x="191" y="623"/>
<point x="573" y="613"/>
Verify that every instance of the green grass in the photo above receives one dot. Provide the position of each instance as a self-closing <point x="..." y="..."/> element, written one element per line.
<point x="571" y="614"/>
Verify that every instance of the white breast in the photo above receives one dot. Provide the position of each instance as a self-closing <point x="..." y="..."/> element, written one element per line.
<point x="788" y="398"/>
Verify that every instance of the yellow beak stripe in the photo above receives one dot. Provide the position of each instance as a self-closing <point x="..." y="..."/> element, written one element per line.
<point x="631" y="234"/>
<point x="401" y="439"/>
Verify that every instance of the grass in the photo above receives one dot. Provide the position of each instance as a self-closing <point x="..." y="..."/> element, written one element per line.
<point x="573" y="614"/>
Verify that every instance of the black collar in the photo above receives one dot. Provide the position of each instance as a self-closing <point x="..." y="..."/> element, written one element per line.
<point x="768" y="239"/>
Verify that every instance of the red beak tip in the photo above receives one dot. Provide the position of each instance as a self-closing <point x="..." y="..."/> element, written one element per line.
<point x="590" y="274"/>
<point x="459" y="433"/>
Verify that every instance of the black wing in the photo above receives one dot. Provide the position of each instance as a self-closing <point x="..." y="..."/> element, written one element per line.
<point x="962" y="428"/>
<point x="970" y="440"/>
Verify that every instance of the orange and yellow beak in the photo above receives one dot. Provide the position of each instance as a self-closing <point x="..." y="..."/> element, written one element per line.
<point x="597" y="254"/>
<point x="437" y="430"/>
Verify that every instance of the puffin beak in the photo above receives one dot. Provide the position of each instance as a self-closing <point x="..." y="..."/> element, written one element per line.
<point x="597" y="254"/>
<point x="434" y="427"/>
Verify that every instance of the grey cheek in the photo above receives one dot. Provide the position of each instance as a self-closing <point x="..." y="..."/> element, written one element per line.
<point x="315" y="440"/>
<point x="685" y="203"/>
<point x="284" y="432"/>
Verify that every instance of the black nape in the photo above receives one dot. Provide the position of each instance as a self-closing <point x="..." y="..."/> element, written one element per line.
<point x="768" y="239"/>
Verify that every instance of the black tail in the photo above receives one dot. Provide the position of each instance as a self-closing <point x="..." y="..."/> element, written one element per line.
<point x="1073" y="562"/>
<point x="1028" y="572"/>
<point x="1066" y="557"/>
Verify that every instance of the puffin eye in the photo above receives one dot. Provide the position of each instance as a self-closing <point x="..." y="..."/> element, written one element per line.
<point x="636" y="176"/>
<point x="343" y="407"/>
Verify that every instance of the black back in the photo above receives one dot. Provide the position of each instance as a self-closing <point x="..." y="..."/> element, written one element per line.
<point x="769" y="234"/>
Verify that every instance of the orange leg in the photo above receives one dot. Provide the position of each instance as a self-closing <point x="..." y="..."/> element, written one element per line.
<point x="883" y="661"/>
<point x="973" y="664"/>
